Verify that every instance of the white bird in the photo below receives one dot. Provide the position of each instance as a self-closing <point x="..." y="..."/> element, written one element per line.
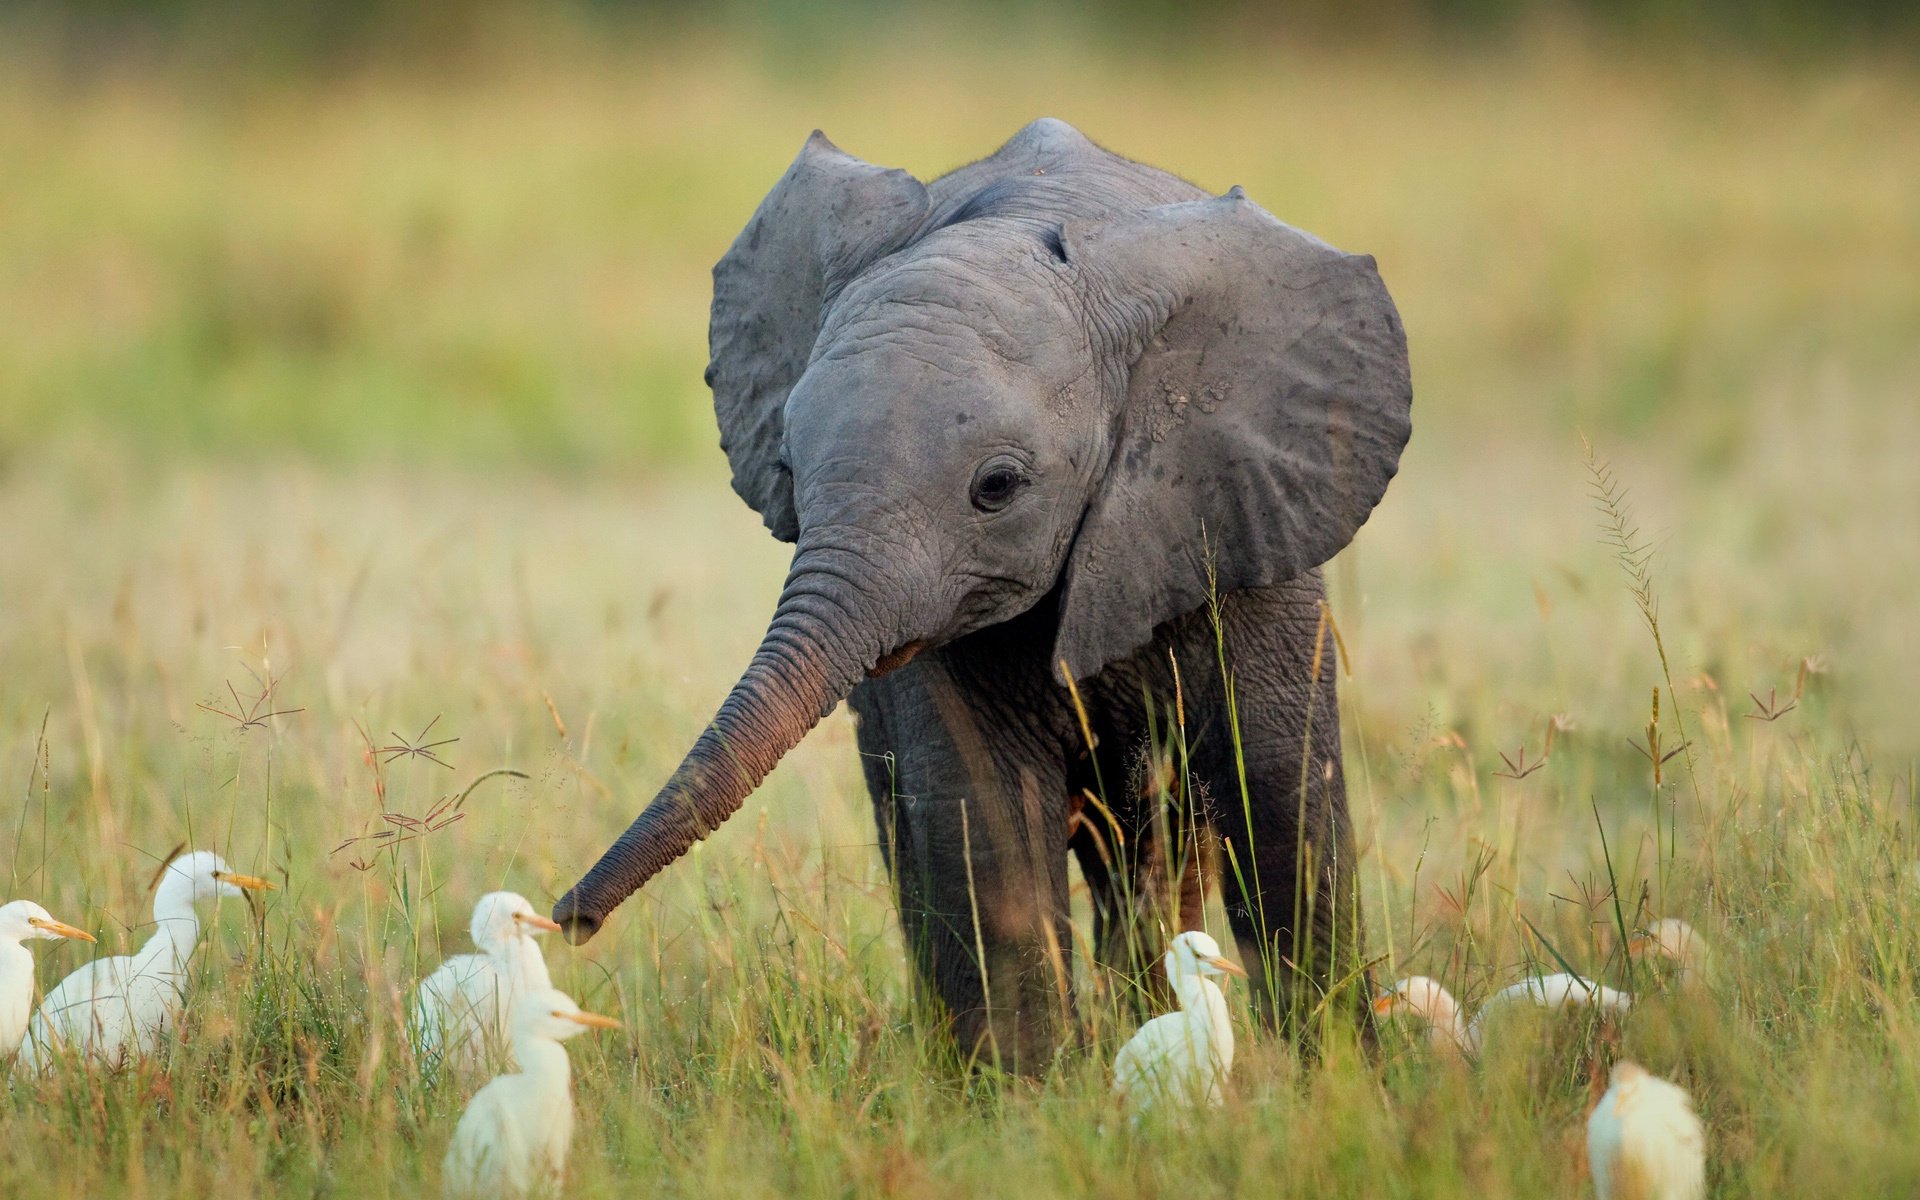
<point x="1675" y="940"/>
<point x="1422" y="996"/>
<point x="1644" y="1141"/>
<point x="462" y="1012"/>
<point x="19" y="921"/>
<point x="1426" y="999"/>
<point x="514" y="1136"/>
<point x="1556" y="991"/>
<point x="1182" y="1058"/>
<point x="120" y="1008"/>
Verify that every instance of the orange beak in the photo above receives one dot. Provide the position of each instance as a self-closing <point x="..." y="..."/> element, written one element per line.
<point x="1383" y="1003"/>
<point x="251" y="883"/>
<point x="60" y="927"/>
<point x="1231" y="968"/>
<point x="590" y="1020"/>
<point x="538" y="921"/>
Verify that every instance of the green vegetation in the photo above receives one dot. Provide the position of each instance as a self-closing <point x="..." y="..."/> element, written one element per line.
<point x="386" y="384"/>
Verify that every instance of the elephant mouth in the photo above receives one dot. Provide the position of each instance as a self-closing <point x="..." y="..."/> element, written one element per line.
<point x="895" y="659"/>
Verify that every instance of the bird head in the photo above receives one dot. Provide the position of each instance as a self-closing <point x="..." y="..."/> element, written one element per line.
<point x="24" y="919"/>
<point x="1195" y="954"/>
<point x="501" y="917"/>
<point x="1420" y="996"/>
<point x="551" y="1015"/>
<point x="1671" y="939"/>
<point x="202" y="875"/>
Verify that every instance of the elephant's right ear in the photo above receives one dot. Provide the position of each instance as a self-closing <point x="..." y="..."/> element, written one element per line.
<point x="829" y="218"/>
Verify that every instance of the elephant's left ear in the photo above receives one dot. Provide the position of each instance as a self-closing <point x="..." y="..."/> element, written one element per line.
<point x="1266" y="402"/>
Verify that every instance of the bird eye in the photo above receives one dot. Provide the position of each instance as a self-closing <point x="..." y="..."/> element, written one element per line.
<point x="996" y="485"/>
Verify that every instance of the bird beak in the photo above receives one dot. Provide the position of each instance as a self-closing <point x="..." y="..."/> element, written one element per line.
<point x="538" y="921"/>
<point x="1640" y="943"/>
<point x="590" y="1020"/>
<point x="1231" y="968"/>
<point x="1383" y="1004"/>
<point x="61" y="928"/>
<point x="251" y="883"/>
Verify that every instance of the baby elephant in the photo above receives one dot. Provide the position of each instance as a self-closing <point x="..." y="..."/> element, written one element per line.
<point x="1061" y="442"/>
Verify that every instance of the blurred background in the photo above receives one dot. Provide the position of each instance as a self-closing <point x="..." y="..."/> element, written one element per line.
<point x="351" y="405"/>
<point x="361" y="343"/>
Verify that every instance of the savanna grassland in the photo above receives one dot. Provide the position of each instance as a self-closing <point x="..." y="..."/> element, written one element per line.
<point x="383" y="383"/>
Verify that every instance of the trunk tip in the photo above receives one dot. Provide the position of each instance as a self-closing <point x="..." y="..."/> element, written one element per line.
<point x="576" y="924"/>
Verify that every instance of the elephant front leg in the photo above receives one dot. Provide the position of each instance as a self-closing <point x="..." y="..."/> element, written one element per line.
<point x="976" y="842"/>
<point x="1147" y="885"/>
<point x="1288" y="865"/>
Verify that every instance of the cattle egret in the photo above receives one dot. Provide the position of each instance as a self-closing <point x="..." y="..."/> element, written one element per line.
<point x="513" y="1138"/>
<point x="462" y="1014"/>
<point x="117" y="1009"/>
<point x="1181" y="1059"/>
<point x="1424" y="998"/>
<point x="19" y="921"/>
<point x="1553" y="991"/>
<point x="1674" y="940"/>
<point x="1644" y="1141"/>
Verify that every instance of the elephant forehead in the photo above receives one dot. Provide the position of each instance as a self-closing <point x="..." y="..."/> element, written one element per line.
<point x="903" y="402"/>
<point x="963" y="302"/>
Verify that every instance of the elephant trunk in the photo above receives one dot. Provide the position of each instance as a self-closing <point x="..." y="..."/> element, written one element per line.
<point x="822" y="639"/>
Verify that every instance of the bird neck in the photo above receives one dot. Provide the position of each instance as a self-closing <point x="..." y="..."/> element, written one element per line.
<point x="176" y="928"/>
<point x="543" y="1062"/>
<point x="1204" y="1004"/>
<point x="1459" y="1034"/>
<point x="1446" y="1025"/>
<point x="520" y="960"/>
<point x="16" y="991"/>
<point x="16" y="962"/>
<point x="1688" y="964"/>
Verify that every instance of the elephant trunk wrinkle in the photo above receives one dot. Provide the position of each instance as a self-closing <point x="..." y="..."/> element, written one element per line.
<point x="819" y="643"/>
<point x="837" y="623"/>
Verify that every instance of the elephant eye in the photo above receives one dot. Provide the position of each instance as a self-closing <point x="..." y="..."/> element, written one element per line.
<point x="996" y="485"/>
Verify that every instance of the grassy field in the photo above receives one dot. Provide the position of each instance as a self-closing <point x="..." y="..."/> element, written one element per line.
<point x="387" y="387"/>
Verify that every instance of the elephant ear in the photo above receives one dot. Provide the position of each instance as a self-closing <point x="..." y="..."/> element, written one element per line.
<point x="1265" y="405"/>
<point x="829" y="218"/>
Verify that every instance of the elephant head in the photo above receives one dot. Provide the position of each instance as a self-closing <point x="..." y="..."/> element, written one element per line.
<point x="1053" y="376"/>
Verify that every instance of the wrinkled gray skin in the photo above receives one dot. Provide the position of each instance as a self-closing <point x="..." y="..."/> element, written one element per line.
<point x="1010" y="419"/>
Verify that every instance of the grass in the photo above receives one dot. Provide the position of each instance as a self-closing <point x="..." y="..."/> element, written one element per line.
<point x="387" y="390"/>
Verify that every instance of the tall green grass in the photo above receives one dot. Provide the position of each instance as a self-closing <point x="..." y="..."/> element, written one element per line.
<point x="375" y="386"/>
<point x="770" y="1044"/>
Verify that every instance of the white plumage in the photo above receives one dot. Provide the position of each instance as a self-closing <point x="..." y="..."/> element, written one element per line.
<point x="1559" y="991"/>
<point x="120" y="1008"/>
<point x="19" y="921"/>
<point x="462" y="1013"/>
<point x="1421" y="996"/>
<point x="1678" y="942"/>
<point x="513" y="1138"/>
<point x="1182" y="1059"/>
<point x="1644" y="1141"/>
<point x="1424" y="998"/>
